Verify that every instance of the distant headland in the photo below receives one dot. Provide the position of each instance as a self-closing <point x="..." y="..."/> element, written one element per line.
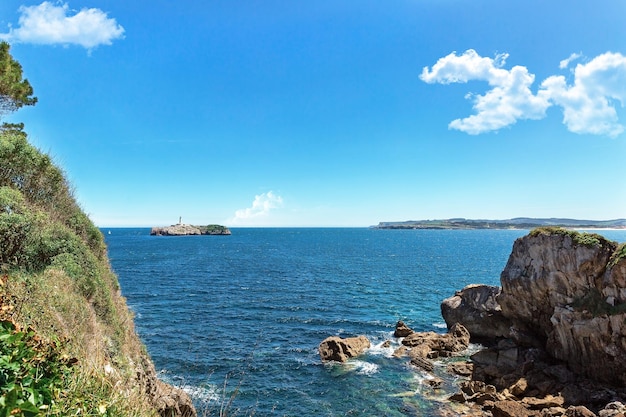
<point x="182" y="229"/>
<point x="516" y="223"/>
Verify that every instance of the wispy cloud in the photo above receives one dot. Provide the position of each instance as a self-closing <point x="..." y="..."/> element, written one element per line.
<point x="588" y="105"/>
<point x="565" y="63"/>
<point x="261" y="207"/>
<point x="57" y="24"/>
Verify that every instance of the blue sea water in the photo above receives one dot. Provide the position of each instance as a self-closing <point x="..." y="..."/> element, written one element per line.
<point x="244" y="314"/>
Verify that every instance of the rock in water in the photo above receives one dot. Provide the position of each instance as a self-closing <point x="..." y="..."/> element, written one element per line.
<point x="335" y="348"/>
<point x="456" y="340"/>
<point x="402" y="330"/>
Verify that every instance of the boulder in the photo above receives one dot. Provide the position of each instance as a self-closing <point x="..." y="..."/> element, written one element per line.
<point x="508" y="408"/>
<point x="337" y="349"/>
<point x="402" y="330"/>
<point x="476" y="307"/>
<point x="579" y="411"/>
<point x="461" y="368"/>
<point x="456" y="340"/>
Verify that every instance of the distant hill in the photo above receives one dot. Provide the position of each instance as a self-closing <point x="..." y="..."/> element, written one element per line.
<point x="516" y="223"/>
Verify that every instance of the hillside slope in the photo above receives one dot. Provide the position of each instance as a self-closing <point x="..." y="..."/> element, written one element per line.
<point x="68" y="339"/>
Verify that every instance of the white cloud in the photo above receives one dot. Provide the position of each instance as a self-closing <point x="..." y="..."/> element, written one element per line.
<point x="51" y="24"/>
<point x="260" y="209"/>
<point x="509" y="100"/>
<point x="565" y="63"/>
<point x="588" y="105"/>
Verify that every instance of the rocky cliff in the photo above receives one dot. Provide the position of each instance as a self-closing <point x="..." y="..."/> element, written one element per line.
<point x="569" y="289"/>
<point x="557" y="325"/>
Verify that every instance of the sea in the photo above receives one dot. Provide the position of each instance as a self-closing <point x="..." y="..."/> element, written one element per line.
<point x="236" y="320"/>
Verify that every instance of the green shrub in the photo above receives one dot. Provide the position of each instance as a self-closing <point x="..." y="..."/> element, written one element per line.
<point x="11" y="201"/>
<point x="618" y="255"/>
<point x="594" y="303"/>
<point x="33" y="372"/>
<point x="583" y="239"/>
<point x="26" y="170"/>
<point x="14" y="232"/>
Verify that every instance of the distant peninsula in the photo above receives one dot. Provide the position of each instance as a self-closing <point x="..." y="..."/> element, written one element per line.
<point x="181" y="229"/>
<point x="516" y="223"/>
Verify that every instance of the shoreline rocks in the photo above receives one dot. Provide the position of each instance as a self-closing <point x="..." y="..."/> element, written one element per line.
<point x="555" y="331"/>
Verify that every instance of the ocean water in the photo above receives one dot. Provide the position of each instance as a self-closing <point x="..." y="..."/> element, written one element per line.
<point x="242" y="316"/>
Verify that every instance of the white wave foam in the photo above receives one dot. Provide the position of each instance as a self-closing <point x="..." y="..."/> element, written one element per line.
<point x="365" y="368"/>
<point x="204" y="394"/>
<point x="440" y="325"/>
<point x="380" y="349"/>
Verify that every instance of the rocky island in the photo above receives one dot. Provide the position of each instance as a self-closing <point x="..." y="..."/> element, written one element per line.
<point x="181" y="229"/>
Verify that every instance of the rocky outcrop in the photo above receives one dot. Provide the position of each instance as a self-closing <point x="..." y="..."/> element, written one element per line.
<point x="189" y="230"/>
<point x="402" y="330"/>
<point x="476" y="306"/>
<point x="568" y="289"/>
<point x="423" y="347"/>
<point x="335" y="348"/>
<point x="556" y="330"/>
<point x="168" y="401"/>
<point x="550" y="268"/>
<point x="562" y="291"/>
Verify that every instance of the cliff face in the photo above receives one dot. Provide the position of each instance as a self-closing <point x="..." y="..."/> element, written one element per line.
<point x="564" y="292"/>
<point x="569" y="289"/>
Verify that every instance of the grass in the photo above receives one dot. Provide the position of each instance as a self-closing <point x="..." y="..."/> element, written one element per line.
<point x="583" y="239"/>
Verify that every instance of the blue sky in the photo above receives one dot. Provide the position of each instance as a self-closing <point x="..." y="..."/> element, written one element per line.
<point x="328" y="113"/>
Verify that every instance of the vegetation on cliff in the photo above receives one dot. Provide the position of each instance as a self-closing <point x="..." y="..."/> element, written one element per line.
<point x="68" y="345"/>
<point x="59" y="299"/>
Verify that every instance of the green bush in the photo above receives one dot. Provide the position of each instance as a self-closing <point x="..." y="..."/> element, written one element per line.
<point x="618" y="255"/>
<point x="583" y="239"/>
<point x="33" y="372"/>
<point x="26" y="170"/>
<point x="14" y="232"/>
